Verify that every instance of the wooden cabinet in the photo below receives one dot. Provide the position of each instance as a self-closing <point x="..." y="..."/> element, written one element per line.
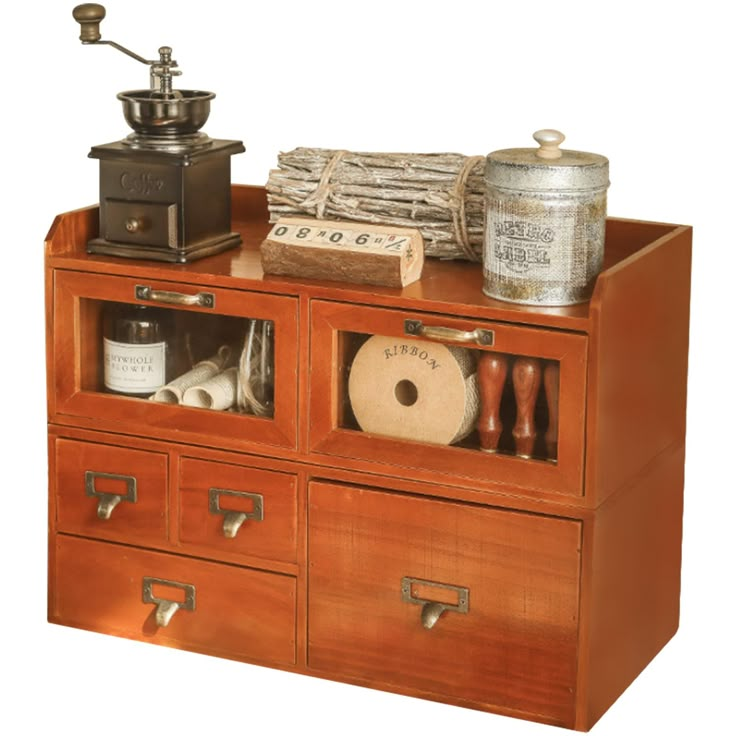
<point x="529" y="566"/>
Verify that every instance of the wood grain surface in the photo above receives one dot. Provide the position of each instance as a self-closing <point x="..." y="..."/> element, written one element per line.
<point x="522" y="573"/>
<point x="143" y="522"/>
<point x="240" y="613"/>
<point x="272" y="538"/>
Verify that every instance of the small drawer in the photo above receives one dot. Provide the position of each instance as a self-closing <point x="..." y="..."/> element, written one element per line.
<point x="147" y="223"/>
<point x="111" y="492"/>
<point x="236" y="509"/>
<point x="175" y="601"/>
<point x="470" y="602"/>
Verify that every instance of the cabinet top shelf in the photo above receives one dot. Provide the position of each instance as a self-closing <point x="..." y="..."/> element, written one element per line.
<point x="452" y="287"/>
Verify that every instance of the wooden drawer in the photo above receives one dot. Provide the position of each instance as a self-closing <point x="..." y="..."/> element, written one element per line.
<point x="374" y="556"/>
<point x="424" y="369"/>
<point x="232" y="508"/>
<point x="111" y="492"/>
<point x="203" y="322"/>
<point x="235" y="612"/>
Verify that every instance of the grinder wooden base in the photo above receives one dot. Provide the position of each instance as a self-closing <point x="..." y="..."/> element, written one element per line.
<point x="155" y="253"/>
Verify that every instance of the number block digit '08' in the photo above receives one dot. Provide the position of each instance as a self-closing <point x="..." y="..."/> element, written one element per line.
<point x="337" y="250"/>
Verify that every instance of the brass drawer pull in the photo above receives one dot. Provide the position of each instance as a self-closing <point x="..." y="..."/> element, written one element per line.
<point x="234" y="519"/>
<point x="416" y="328"/>
<point x="165" y="609"/>
<point x="202" y="299"/>
<point x="432" y="610"/>
<point x="108" y="501"/>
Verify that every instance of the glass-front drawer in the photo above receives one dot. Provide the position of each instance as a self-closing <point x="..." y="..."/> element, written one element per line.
<point x="164" y="357"/>
<point x="486" y="401"/>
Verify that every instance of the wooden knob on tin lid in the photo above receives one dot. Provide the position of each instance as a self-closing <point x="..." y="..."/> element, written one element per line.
<point x="549" y="143"/>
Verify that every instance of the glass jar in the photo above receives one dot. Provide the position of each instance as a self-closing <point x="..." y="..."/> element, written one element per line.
<point x="137" y="349"/>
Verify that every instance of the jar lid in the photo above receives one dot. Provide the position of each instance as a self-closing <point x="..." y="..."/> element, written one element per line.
<point x="547" y="168"/>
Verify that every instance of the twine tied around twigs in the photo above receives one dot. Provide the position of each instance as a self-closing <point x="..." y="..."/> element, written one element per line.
<point x="318" y="199"/>
<point x="457" y="205"/>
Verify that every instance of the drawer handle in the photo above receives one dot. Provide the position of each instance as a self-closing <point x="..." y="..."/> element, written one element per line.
<point x="432" y="610"/>
<point x="165" y="609"/>
<point x="415" y="328"/>
<point x="108" y="501"/>
<point x="202" y="299"/>
<point x="234" y="519"/>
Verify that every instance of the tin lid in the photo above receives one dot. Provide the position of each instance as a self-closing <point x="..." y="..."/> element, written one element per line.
<point x="547" y="168"/>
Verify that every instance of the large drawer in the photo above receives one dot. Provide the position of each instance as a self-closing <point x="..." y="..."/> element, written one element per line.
<point x="232" y="508"/>
<point x="116" y="493"/>
<point x="462" y="601"/>
<point x="222" y="609"/>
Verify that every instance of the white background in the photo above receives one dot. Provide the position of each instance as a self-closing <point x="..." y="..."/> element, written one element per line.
<point x="648" y="84"/>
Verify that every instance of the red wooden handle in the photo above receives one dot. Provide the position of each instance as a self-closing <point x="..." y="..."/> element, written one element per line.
<point x="552" y="391"/>
<point x="492" y="370"/>
<point x="527" y="377"/>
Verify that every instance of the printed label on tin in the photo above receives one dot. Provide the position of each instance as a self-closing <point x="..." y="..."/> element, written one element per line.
<point x="134" y="369"/>
<point x="529" y="250"/>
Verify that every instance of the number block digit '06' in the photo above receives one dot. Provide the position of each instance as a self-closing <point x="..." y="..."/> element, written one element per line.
<point x="338" y="250"/>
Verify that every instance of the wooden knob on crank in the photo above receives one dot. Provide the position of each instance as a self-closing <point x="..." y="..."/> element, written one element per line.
<point x="492" y="370"/>
<point x="527" y="377"/>
<point x="89" y="16"/>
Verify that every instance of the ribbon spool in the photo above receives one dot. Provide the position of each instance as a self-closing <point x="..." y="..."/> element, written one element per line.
<point x="414" y="390"/>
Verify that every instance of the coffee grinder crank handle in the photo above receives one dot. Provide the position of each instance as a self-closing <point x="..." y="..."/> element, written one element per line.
<point x="90" y="15"/>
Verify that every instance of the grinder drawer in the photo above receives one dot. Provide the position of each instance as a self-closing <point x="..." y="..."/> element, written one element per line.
<point x="147" y="223"/>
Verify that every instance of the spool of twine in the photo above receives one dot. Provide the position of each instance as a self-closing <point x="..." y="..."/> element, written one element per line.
<point x="414" y="389"/>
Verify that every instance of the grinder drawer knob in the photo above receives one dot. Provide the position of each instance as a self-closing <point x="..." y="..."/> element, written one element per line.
<point x="135" y="224"/>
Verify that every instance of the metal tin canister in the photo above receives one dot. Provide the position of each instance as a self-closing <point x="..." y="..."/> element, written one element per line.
<point x="545" y="223"/>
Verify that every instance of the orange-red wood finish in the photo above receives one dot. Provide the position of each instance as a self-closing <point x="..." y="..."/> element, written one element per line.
<point x="552" y="392"/>
<point x="329" y="438"/>
<point x="140" y="521"/>
<point x="521" y="574"/>
<point x="238" y="612"/>
<point x="572" y="566"/>
<point x="238" y="489"/>
<point x="77" y="342"/>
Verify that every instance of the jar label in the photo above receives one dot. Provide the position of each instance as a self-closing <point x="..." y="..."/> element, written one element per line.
<point x="134" y="369"/>
<point x="529" y="250"/>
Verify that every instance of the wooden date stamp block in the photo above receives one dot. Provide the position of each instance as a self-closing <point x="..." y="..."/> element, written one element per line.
<point x="336" y="250"/>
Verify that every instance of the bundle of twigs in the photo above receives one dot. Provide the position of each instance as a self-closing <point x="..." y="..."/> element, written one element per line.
<point x="441" y="194"/>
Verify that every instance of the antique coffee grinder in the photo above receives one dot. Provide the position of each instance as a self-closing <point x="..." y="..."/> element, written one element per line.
<point x="165" y="189"/>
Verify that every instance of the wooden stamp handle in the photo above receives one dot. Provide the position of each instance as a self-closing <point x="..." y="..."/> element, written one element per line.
<point x="527" y="377"/>
<point x="552" y="391"/>
<point x="492" y="370"/>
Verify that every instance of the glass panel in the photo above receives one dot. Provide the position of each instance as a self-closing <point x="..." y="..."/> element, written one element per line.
<point x="171" y="356"/>
<point x="442" y="394"/>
